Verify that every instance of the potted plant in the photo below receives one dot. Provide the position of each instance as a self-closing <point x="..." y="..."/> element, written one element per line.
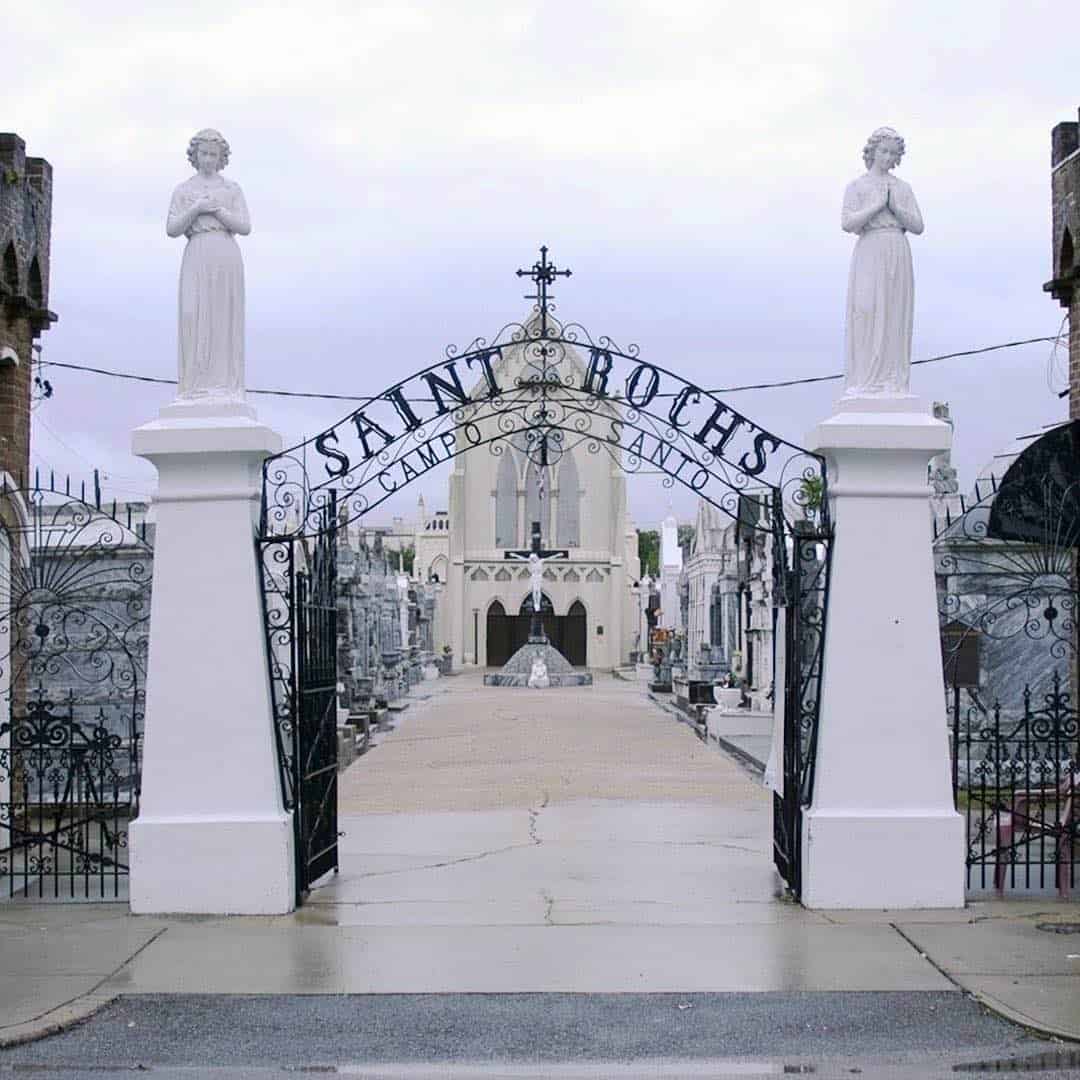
<point x="810" y="498"/>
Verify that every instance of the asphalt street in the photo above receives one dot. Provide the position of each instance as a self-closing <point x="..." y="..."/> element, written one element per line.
<point x="902" y="1034"/>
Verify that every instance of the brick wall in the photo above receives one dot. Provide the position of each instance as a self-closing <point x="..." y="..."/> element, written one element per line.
<point x="25" y="235"/>
<point x="1074" y="356"/>
<point x="15" y="397"/>
<point x="1065" y="241"/>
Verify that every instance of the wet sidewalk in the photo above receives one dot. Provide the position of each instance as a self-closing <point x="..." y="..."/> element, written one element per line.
<point x="516" y="841"/>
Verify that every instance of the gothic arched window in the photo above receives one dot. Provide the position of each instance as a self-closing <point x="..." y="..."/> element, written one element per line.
<point x="506" y="501"/>
<point x="569" y="524"/>
<point x="11" y="268"/>
<point x="33" y="283"/>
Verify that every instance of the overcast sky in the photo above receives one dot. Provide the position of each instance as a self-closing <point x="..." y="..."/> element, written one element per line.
<point x="686" y="159"/>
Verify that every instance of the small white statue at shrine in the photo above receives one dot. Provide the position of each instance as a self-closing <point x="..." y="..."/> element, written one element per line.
<point x="210" y="211"/>
<point x="538" y="676"/>
<point x="882" y="210"/>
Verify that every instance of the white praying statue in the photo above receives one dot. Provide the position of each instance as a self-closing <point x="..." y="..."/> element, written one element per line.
<point x="881" y="209"/>
<point x="210" y="211"/>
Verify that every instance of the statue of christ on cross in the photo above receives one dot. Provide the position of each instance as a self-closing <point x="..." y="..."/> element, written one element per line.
<point x="536" y="556"/>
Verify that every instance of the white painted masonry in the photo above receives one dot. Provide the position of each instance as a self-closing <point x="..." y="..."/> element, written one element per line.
<point x="212" y="835"/>
<point x="671" y="565"/>
<point x="882" y="831"/>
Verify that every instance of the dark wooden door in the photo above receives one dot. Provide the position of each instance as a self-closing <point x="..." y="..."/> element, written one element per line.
<point x="500" y="635"/>
<point x="574" y="634"/>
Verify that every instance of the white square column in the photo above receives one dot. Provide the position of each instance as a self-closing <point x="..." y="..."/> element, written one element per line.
<point x="212" y="835"/>
<point x="881" y="831"/>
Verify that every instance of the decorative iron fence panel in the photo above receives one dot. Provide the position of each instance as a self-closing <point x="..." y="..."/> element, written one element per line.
<point x="74" y="627"/>
<point x="1006" y="563"/>
<point x="1016" y="779"/>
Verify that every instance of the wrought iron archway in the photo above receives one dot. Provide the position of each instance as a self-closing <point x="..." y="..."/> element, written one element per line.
<point x="574" y="391"/>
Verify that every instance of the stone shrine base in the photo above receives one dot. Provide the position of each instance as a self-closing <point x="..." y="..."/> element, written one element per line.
<point x="516" y="670"/>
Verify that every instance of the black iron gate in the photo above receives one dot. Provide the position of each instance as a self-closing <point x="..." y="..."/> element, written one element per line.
<point x="74" y="627"/>
<point x="568" y="390"/>
<point x="300" y="598"/>
<point x="800" y="605"/>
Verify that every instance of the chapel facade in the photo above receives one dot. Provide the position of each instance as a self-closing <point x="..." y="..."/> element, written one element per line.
<point x="579" y="499"/>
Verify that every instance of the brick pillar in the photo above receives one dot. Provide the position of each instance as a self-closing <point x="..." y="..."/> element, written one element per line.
<point x="16" y="334"/>
<point x="1074" y="356"/>
<point x="25" y="234"/>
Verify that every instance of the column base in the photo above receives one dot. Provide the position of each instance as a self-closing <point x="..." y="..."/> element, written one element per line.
<point x="212" y="866"/>
<point x="882" y="860"/>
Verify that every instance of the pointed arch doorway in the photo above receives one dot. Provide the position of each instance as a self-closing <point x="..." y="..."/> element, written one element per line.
<point x="507" y="633"/>
<point x="573" y="634"/>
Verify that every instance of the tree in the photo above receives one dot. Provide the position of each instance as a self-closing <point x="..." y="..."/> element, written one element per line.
<point x="648" y="549"/>
<point x="406" y="558"/>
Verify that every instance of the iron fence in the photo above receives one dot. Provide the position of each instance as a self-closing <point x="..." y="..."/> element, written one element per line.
<point x="1016" y="778"/>
<point x="74" y="629"/>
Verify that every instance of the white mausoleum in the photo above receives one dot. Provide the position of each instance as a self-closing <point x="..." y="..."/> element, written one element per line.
<point x="671" y="564"/>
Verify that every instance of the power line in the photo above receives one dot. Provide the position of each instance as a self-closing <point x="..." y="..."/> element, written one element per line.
<point x="722" y="390"/>
<point x="927" y="360"/>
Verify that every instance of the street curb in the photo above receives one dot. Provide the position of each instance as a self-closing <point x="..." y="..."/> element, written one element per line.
<point x="57" y="1019"/>
<point x="1014" y="1016"/>
<point x="747" y="759"/>
<point x="743" y="757"/>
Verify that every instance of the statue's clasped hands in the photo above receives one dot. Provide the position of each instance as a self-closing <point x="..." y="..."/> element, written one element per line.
<point x="886" y="194"/>
<point x="207" y="204"/>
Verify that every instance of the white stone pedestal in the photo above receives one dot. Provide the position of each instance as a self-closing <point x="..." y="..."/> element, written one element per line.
<point x="728" y="698"/>
<point x="882" y="831"/>
<point x="212" y="835"/>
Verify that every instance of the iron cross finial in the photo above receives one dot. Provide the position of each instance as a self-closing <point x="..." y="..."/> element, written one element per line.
<point x="544" y="274"/>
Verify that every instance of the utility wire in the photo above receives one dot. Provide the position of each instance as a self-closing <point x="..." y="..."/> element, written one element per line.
<point x="927" y="360"/>
<point x="722" y="390"/>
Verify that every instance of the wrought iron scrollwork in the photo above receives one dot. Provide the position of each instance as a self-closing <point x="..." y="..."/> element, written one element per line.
<point x="73" y="649"/>
<point x="1017" y="781"/>
<point x="300" y="608"/>
<point x="1007" y="586"/>
<point x="804" y="602"/>
<point x="548" y="388"/>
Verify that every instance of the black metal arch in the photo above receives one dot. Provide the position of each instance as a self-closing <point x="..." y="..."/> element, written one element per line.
<point x="570" y="391"/>
<point x="574" y="390"/>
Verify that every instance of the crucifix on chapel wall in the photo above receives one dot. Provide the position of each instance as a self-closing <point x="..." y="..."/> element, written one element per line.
<point x="536" y="556"/>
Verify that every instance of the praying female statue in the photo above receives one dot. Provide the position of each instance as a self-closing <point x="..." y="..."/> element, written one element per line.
<point x="881" y="209"/>
<point x="210" y="210"/>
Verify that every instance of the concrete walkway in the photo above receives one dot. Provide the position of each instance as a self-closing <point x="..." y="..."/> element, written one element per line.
<point x="503" y="840"/>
